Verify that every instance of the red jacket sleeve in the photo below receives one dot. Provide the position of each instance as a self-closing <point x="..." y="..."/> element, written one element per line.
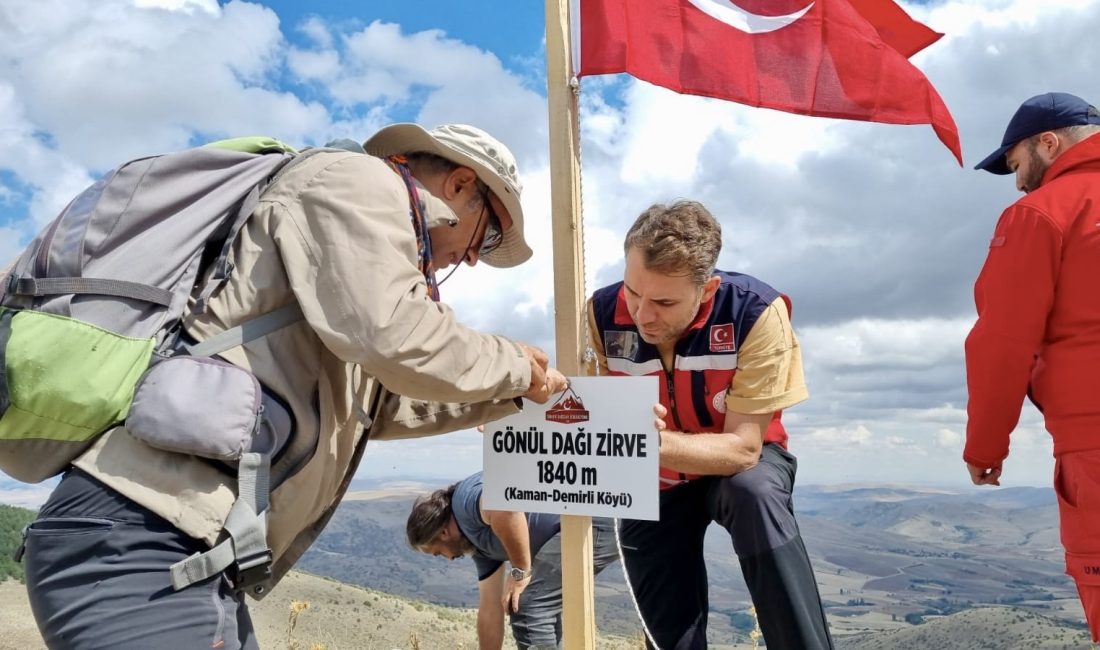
<point x="1013" y="294"/>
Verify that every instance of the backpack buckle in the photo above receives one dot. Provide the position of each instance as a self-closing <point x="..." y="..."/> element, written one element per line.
<point x="22" y="548"/>
<point x="250" y="573"/>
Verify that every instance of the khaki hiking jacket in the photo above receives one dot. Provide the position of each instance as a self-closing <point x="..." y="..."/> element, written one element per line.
<point x="334" y="234"/>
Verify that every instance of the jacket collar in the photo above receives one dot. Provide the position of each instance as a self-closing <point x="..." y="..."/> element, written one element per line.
<point x="1085" y="153"/>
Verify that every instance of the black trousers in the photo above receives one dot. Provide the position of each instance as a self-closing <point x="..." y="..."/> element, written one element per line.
<point x="663" y="560"/>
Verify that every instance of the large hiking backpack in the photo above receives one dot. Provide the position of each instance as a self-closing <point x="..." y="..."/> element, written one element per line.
<point x="98" y="296"/>
<point x="90" y="333"/>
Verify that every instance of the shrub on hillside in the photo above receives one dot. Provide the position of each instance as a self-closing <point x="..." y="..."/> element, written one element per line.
<point x="12" y="521"/>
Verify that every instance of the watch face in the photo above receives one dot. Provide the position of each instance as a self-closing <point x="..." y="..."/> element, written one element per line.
<point x="519" y="574"/>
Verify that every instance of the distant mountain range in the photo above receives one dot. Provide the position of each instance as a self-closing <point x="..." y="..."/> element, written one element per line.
<point x="885" y="557"/>
<point x="898" y="567"/>
<point x="15" y="493"/>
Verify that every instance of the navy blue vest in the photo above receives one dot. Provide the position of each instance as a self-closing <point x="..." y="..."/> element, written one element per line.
<point x="705" y="362"/>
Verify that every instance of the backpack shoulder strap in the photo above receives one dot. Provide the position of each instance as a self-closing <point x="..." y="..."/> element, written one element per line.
<point x="244" y="553"/>
<point x="245" y="332"/>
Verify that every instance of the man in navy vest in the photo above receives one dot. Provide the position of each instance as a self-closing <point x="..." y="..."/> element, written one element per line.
<point x="728" y="362"/>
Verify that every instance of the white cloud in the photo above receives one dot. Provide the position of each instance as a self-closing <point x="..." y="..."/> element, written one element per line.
<point x="946" y="414"/>
<point x="314" y="66"/>
<point x="879" y="342"/>
<point x="110" y="81"/>
<point x="382" y="64"/>
<point x="186" y="6"/>
<point x="9" y="245"/>
<point x="904" y="445"/>
<point x="949" y="438"/>
<point x="52" y="176"/>
<point x="857" y="435"/>
<point x="318" y="32"/>
<point x="958" y="19"/>
<point x="665" y="133"/>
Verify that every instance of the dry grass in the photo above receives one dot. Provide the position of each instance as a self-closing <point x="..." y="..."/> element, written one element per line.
<point x="756" y="635"/>
<point x="296" y="609"/>
<point x="311" y="613"/>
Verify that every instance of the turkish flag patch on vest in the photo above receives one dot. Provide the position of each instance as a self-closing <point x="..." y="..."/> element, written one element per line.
<point x="721" y="338"/>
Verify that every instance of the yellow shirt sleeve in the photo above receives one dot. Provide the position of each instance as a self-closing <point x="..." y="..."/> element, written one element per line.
<point x="769" y="366"/>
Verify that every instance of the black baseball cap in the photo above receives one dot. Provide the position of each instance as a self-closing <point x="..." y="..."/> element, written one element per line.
<point x="1041" y="113"/>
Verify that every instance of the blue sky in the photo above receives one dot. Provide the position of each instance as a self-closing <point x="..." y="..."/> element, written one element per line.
<point x="873" y="230"/>
<point x="512" y="31"/>
<point x="508" y="29"/>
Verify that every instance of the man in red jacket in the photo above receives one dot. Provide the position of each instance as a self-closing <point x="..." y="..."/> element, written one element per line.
<point x="1038" y="329"/>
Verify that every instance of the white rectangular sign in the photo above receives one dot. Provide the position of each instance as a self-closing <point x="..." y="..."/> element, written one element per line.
<point x="591" y="451"/>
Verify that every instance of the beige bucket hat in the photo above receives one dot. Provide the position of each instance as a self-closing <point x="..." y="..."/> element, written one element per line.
<point x="470" y="147"/>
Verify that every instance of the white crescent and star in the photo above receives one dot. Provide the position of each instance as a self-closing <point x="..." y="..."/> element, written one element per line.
<point x="750" y="23"/>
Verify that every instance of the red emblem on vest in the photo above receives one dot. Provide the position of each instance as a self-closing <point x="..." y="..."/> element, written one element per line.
<point x="568" y="409"/>
<point x="721" y="338"/>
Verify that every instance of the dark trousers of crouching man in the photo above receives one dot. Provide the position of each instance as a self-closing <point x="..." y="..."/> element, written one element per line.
<point x="664" y="564"/>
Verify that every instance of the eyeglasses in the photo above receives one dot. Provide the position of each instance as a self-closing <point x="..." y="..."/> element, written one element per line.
<point x="494" y="232"/>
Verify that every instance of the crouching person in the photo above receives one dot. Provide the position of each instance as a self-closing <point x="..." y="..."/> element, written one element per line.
<point x="728" y="362"/>
<point x="453" y="523"/>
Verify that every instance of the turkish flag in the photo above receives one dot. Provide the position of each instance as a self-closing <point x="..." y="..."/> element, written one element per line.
<point x="897" y="28"/>
<point x="822" y="57"/>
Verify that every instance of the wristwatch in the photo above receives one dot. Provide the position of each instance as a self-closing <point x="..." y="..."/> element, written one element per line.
<point x="518" y="574"/>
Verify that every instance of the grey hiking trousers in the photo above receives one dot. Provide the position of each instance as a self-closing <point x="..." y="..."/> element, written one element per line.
<point x="97" y="576"/>
<point x="537" y="624"/>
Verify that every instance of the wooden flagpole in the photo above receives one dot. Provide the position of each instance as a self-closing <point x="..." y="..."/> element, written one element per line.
<point x="579" y="621"/>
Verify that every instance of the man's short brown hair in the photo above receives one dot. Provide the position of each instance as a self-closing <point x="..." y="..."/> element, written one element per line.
<point x="678" y="239"/>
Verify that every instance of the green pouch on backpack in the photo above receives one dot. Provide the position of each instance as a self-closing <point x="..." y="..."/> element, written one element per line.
<point x="67" y="382"/>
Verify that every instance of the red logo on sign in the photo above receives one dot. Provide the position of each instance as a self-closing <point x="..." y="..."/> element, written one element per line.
<point x="721" y="338"/>
<point x="568" y="409"/>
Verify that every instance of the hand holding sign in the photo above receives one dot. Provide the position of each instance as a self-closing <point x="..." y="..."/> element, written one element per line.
<point x="545" y="381"/>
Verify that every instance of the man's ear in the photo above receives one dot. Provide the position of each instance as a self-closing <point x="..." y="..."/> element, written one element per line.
<point x="1050" y="145"/>
<point x="444" y="533"/>
<point x="458" y="180"/>
<point x="710" y="287"/>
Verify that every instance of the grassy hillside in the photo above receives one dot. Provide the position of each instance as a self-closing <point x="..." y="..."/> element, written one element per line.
<point x="883" y="556"/>
<point x="897" y="568"/>
<point x="1002" y="628"/>
<point x="311" y="613"/>
<point x="12" y="520"/>
<point x="364" y="544"/>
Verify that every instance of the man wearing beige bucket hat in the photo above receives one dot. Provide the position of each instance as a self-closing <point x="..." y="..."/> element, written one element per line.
<point x="475" y="150"/>
<point x="354" y="240"/>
